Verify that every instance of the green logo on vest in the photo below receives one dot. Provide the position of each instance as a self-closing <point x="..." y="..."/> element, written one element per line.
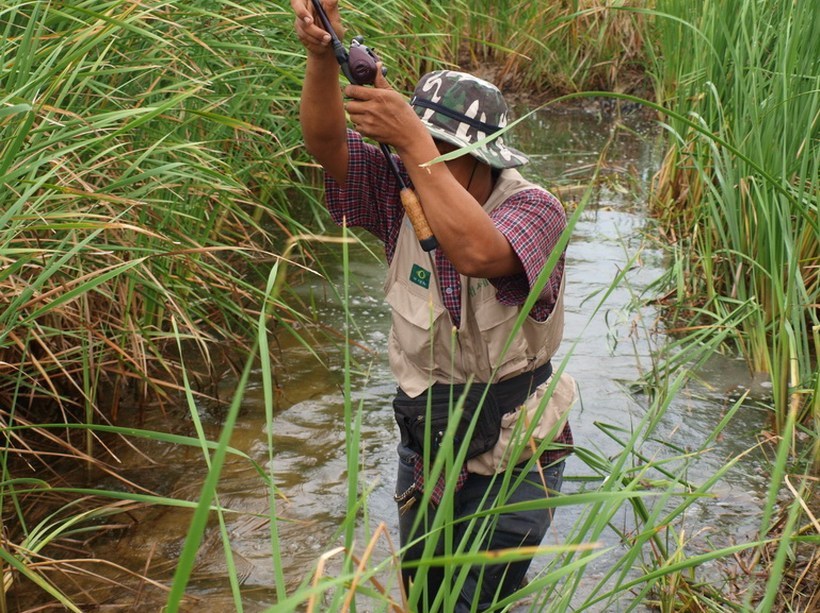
<point x="420" y="276"/>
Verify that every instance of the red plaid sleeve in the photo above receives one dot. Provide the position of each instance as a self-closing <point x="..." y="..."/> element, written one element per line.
<point x="532" y="221"/>
<point x="370" y="197"/>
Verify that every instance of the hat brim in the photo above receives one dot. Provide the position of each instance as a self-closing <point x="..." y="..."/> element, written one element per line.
<point x="495" y="153"/>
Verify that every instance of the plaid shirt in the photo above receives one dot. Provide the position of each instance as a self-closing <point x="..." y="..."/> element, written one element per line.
<point x="531" y="220"/>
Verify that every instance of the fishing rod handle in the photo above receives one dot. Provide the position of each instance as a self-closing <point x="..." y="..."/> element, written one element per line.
<point x="412" y="207"/>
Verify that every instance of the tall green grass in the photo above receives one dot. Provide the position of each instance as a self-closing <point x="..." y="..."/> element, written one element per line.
<point x="557" y="47"/>
<point x="529" y="47"/>
<point x="151" y="155"/>
<point x="127" y="197"/>
<point x="739" y="187"/>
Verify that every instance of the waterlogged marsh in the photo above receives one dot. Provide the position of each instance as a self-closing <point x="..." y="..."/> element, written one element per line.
<point x="609" y="346"/>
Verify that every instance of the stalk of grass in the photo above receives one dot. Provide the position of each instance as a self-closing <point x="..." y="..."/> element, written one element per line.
<point x="187" y="556"/>
<point x="269" y="392"/>
<point x="352" y="421"/>
<point x="223" y="531"/>
<point x="785" y="544"/>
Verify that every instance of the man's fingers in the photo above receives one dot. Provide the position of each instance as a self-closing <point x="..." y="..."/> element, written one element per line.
<point x="310" y="31"/>
<point x="332" y="11"/>
<point x="357" y="92"/>
<point x="313" y="38"/>
<point x="302" y="10"/>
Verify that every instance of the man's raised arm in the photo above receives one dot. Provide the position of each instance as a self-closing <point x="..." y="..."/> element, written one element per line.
<point x="321" y="111"/>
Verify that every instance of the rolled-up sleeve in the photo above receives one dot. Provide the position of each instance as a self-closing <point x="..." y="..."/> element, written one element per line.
<point x="364" y="199"/>
<point x="532" y="221"/>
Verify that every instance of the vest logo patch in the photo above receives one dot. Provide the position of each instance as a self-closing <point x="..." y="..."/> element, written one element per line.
<point x="420" y="276"/>
<point x="477" y="285"/>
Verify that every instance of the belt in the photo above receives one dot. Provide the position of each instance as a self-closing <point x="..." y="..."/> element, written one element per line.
<point x="511" y="393"/>
<point x="508" y="394"/>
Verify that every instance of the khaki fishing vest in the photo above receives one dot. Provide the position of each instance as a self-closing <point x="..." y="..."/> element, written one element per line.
<point x="425" y="348"/>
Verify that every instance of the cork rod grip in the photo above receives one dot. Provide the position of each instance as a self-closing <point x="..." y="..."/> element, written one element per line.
<point x="412" y="207"/>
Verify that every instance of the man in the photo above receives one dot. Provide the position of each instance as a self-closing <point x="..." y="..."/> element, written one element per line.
<point x="453" y="309"/>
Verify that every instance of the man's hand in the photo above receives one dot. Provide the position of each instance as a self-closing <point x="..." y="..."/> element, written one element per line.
<point x="309" y="28"/>
<point x="383" y="114"/>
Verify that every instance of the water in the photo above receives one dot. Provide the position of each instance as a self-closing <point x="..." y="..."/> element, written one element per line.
<point x="610" y="346"/>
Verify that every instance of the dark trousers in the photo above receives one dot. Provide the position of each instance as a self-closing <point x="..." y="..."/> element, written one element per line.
<point x="486" y="583"/>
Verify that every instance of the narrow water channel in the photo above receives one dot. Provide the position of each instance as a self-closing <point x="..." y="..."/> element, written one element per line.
<point x="610" y="346"/>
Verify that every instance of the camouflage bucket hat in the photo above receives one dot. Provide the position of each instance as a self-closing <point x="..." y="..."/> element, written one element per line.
<point x="462" y="109"/>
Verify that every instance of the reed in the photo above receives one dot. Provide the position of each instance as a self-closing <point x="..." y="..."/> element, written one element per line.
<point x="535" y="47"/>
<point x="740" y="190"/>
<point x="138" y="160"/>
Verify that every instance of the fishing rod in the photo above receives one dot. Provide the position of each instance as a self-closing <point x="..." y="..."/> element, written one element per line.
<point x="358" y="65"/>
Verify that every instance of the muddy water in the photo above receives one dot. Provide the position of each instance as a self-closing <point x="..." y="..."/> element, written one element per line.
<point x="610" y="345"/>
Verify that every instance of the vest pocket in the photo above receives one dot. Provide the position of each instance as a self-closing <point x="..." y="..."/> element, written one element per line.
<point x="496" y="323"/>
<point x="414" y="324"/>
